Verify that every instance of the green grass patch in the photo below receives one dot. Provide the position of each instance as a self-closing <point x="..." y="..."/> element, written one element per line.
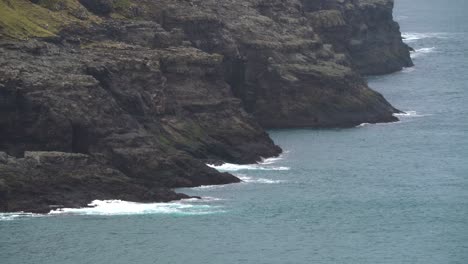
<point x="121" y="5"/>
<point x="21" y="19"/>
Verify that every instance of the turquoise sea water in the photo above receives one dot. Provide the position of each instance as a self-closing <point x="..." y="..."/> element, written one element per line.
<point x="388" y="193"/>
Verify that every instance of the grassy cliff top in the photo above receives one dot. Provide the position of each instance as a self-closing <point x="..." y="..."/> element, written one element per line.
<point x="23" y="19"/>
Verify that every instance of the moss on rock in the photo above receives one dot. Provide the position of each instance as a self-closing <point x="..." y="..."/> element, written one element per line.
<point x="22" y="19"/>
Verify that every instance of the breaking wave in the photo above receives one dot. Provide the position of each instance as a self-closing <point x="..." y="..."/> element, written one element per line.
<point x="243" y="178"/>
<point x="421" y="51"/>
<point x="225" y="167"/>
<point x="405" y="114"/>
<point x="207" y="187"/>
<point x="264" y="165"/>
<point x="409" y="114"/>
<point x="363" y="124"/>
<point x="272" y="160"/>
<point x="412" y="36"/>
<point x="408" y="69"/>
<point x="119" y="207"/>
<point x="16" y="216"/>
<point x="248" y="179"/>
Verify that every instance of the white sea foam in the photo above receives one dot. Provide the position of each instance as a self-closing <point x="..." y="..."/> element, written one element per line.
<point x="15" y="216"/>
<point x="408" y="69"/>
<point x="413" y="36"/>
<point x="363" y="125"/>
<point x="264" y="165"/>
<point x="243" y="178"/>
<point x="209" y="187"/>
<point x="421" y="51"/>
<point x="425" y="50"/>
<point x="205" y="199"/>
<point x="408" y="114"/>
<point x="269" y="161"/>
<point x="226" y="167"/>
<point x="248" y="179"/>
<point x="405" y="114"/>
<point x="118" y="207"/>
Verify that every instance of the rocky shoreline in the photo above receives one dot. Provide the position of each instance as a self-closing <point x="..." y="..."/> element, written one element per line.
<point x="130" y="104"/>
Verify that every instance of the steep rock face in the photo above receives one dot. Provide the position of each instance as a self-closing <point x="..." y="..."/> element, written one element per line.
<point x="140" y="105"/>
<point x="363" y="29"/>
<point x="42" y="181"/>
<point x="130" y="108"/>
<point x="279" y="61"/>
<point x="107" y="89"/>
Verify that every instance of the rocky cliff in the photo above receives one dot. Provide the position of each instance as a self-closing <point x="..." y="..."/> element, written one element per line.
<point x="120" y="99"/>
<point x="364" y="30"/>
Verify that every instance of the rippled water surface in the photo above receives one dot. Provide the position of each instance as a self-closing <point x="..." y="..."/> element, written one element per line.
<point x="389" y="193"/>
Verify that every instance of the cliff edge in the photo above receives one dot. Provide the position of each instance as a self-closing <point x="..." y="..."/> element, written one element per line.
<point x="123" y="99"/>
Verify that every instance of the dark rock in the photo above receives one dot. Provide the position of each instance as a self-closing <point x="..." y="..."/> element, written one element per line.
<point x="42" y="179"/>
<point x="99" y="7"/>
<point x="288" y="65"/>
<point x="366" y="31"/>
<point x="117" y="104"/>
<point x="129" y="109"/>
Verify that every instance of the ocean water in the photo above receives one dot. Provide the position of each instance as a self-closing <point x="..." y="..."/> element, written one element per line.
<point x="387" y="193"/>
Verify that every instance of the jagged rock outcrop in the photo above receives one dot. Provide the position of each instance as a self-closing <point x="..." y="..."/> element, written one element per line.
<point x="286" y="70"/>
<point x="365" y="30"/>
<point x="130" y="108"/>
<point x="42" y="181"/>
<point x="140" y="104"/>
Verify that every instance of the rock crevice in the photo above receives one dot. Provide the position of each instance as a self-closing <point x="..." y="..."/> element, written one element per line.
<point x="130" y="105"/>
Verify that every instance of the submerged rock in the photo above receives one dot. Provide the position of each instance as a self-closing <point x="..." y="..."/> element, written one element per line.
<point x="131" y="108"/>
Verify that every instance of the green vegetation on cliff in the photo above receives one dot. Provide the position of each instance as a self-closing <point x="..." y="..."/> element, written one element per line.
<point x="22" y="19"/>
<point x="147" y="92"/>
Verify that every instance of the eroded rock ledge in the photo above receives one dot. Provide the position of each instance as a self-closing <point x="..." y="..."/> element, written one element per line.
<point x="133" y="104"/>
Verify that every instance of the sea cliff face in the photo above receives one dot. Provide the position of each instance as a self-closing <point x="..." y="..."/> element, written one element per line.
<point x="363" y="29"/>
<point x="114" y="100"/>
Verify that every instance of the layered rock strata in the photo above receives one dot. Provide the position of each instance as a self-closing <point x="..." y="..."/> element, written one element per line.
<point x="133" y="104"/>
